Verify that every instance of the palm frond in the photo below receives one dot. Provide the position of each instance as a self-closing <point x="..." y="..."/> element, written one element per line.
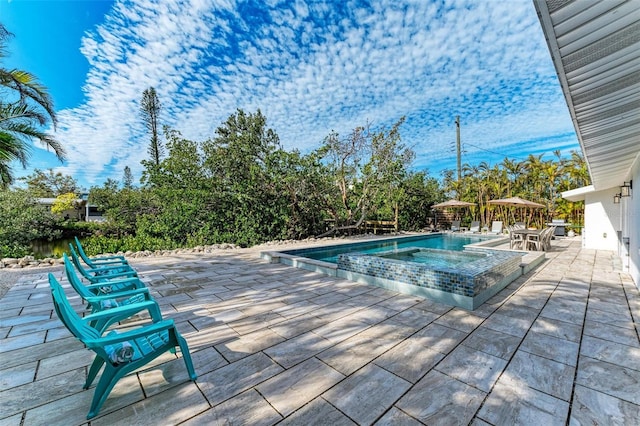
<point x="20" y="112"/>
<point x="13" y="149"/>
<point x="6" y="177"/>
<point x="28" y="88"/>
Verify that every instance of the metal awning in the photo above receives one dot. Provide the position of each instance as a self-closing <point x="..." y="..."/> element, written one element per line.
<point x="595" y="46"/>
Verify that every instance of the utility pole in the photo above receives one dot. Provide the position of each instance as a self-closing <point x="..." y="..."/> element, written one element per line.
<point x="458" y="148"/>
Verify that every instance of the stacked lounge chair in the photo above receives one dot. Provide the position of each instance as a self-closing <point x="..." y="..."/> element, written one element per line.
<point x="114" y="293"/>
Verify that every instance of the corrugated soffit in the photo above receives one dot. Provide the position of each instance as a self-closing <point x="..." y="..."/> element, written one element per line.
<point x="595" y="46"/>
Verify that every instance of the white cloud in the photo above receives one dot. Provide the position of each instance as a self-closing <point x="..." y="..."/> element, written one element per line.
<point x="312" y="67"/>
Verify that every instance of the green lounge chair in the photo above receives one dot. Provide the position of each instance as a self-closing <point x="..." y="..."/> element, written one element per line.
<point x="102" y="273"/>
<point x="101" y="286"/>
<point x="111" y="295"/>
<point x="98" y="261"/>
<point x="119" y="352"/>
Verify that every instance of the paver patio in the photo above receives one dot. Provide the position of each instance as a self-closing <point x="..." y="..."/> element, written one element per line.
<point x="271" y="344"/>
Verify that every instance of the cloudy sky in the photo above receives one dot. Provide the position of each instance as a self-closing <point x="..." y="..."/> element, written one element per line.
<point x="309" y="66"/>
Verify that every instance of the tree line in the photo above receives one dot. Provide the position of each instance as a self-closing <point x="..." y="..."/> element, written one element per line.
<point x="240" y="186"/>
<point x="536" y="178"/>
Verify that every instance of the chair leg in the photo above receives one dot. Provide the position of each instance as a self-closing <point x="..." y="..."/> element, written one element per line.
<point x="93" y="371"/>
<point x="109" y="378"/>
<point x="184" y="348"/>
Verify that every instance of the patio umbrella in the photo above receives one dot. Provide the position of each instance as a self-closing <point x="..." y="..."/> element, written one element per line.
<point x="516" y="202"/>
<point x="452" y="204"/>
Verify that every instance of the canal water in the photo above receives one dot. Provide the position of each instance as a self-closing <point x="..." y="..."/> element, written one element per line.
<point x="44" y="248"/>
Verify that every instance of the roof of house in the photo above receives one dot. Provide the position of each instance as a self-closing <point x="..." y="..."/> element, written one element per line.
<point x="595" y="48"/>
<point x="578" y="194"/>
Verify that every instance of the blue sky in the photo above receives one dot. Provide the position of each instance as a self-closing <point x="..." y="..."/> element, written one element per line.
<point x="309" y="66"/>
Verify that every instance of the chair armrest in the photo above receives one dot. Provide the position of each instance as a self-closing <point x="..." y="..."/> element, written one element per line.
<point x="107" y="262"/>
<point x="114" y="257"/>
<point x="107" y="278"/>
<point x="130" y="310"/>
<point x="118" y="295"/>
<point x="134" y="281"/>
<point x="108" y="267"/>
<point x="144" y="331"/>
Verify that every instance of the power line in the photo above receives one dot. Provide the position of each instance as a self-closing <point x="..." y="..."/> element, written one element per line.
<point x="488" y="150"/>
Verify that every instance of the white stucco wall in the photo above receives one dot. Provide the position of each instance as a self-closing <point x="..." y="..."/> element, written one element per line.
<point x="633" y="223"/>
<point x="602" y="220"/>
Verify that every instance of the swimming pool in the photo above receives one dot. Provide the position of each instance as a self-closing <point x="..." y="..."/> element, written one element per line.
<point x="459" y="270"/>
<point x="330" y="254"/>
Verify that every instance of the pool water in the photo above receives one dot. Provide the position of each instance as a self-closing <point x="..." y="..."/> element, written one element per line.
<point x="433" y="259"/>
<point x="438" y="241"/>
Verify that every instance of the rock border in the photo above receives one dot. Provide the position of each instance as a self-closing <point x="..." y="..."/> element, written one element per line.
<point x="32" y="262"/>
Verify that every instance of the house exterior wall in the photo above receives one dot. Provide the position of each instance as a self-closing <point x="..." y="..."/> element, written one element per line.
<point x="632" y="223"/>
<point x="601" y="220"/>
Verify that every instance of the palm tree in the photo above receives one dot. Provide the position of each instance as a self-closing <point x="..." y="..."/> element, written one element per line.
<point x="25" y="106"/>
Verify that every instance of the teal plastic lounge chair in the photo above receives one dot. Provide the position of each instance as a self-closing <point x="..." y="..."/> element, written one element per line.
<point x="102" y="273"/>
<point x="119" y="352"/>
<point x="97" y="261"/>
<point x="103" y="287"/>
<point x="111" y="295"/>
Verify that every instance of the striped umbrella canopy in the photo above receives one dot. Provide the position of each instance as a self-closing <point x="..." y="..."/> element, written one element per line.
<point x="452" y="204"/>
<point x="516" y="202"/>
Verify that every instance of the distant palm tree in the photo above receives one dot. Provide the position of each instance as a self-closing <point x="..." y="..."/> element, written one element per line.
<point x="25" y="106"/>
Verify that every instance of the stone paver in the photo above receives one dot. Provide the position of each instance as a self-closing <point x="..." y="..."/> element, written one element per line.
<point x="438" y="399"/>
<point x="543" y="374"/>
<point x="293" y="388"/>
<point x="367" y="394"/>
<point x="318" y="412"/>
<point x="514" y="403"/>
<point x="481" y="369"/>
<point x="593" y="407"/>
<point x="274" y="344"/>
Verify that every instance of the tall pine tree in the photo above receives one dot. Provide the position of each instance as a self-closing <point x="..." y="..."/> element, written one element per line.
<point x="150" y="111"/>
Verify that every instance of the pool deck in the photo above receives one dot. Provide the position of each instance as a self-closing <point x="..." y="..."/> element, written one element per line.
<point x="275" y="344"/>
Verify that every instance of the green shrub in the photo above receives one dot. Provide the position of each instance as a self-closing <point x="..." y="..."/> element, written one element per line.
<point x="23" y="220"/>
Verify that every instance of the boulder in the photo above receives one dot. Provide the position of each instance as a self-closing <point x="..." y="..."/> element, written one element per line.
<point x="26" y="260"/>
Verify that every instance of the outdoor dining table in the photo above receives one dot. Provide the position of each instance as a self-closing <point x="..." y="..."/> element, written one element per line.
<point x="525" y="232"/>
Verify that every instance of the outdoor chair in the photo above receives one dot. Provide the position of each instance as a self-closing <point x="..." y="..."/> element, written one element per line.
<point x="97" y="261"/>
<point x="111" y="295"/>
<point x="455" y="226"/>
<point x="102" y="273"/>
<point x="474" y="228"/>
<point x="102" y="286"/>
<point x="119" y="352"/>
<point x="496" y="227"/>
<point x="519" y="225"/>
<point x="536" y="241"/>
<point x="516" y="241"/>
<point x="546" y="243"/>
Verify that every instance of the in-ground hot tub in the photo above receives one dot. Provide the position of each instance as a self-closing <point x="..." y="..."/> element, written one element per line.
<point x="460" y="278"/>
